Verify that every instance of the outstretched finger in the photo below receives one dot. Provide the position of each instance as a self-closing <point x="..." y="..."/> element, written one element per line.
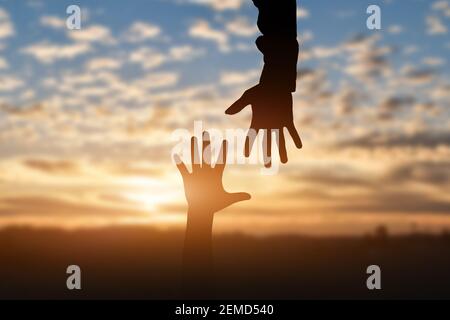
<point x="249" y="141"/>
<point x="294" y="134"/>
<point x="281" y="145"/>
<point x="195" y="156"/>
<point x="222" y="159"/>
<point x="267" y="147"/>
<point x="180" y="165"/>
<point x="206" y="151"/>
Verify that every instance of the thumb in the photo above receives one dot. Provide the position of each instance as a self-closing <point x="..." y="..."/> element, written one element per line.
<point x="236" y="107"/>
<point x="243" y="101"/>
<point x="238" y="197"/>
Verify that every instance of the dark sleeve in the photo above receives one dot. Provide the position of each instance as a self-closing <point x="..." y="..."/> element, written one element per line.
<point x="277" y="17"/>
<point x="277" y="21"/>
<point x="280" y="62"/>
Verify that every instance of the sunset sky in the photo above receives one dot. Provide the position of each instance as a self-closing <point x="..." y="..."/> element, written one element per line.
<point x="87" y="116"/>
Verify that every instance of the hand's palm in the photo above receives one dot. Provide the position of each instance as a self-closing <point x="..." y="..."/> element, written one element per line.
<point x="203" y="186"/>
<point x="204" y="190"/>
<point x="271" y="111"/>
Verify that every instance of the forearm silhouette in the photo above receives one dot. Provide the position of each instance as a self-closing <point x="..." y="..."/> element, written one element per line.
<point x="205" y="196"/>
<point x="271" y="99"/>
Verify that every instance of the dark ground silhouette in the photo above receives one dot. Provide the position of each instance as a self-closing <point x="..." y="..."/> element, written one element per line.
<point x="141" y="262"/>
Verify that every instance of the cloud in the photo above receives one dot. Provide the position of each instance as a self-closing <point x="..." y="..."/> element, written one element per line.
<point x="313" y="81"/>
<point x="397" y="202"/>
<point x="52" y="166"/>
<point x="320" y="52"/>
<point x="442" y="6"/>
<point x="366" y="60"/>
<point x="10" y="83"/>
<point x="339" y="177"/>
<point x="104" y="112"/>
<point x="410" y="49"/>
<point x="436" y="173"/>
<point x="132" y="169"/>
<point x="3" y="63"/>
<point x="427" y="139"/>
<point x="219" y="5"/>
<point x="347" y="100"/>
<point x="392" y="104"/>
<point x="147" y="57"/>
<point x="92" y="34"/>
<point x="23" y="112"/>
<point x="435" y="26"/>
<point x="37" y="206"/>
<point x="415" y="76"/>
<point x="53" y="22"/>
<point x="302" y="13"/>
<point x="141" y="31"/>
<point x="238" y="78"/>
<point x="6" y="26"/>
<point x="185" y="53"/>
<point x="202" y="30"/>
<point x="241" y="26"/>
<point x="150" y="58"/>
<point x="395" y="29"/>
<point x="48" y="53"/>
<point x="96" y="64"/>
<point x="157" y="80"/>
<point x="441" y="92"/>
<point x="434" y="61"/>
<point x="342" y="188"/>
<point x="306" y="35"/>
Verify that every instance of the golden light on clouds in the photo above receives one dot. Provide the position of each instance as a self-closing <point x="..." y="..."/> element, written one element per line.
<point x="89" y="142"/>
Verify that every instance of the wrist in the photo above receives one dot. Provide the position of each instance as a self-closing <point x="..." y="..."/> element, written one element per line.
<point x="199" y="219"/>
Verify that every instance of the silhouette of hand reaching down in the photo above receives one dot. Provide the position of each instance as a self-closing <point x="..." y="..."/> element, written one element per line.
<point x="203" y="186"/>
<point x="272" y="110"/>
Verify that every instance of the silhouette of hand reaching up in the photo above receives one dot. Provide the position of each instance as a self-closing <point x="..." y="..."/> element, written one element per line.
<point x="205" y="195"/>
<point x="272" y="110"/>
<point x="203" y="187"/>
